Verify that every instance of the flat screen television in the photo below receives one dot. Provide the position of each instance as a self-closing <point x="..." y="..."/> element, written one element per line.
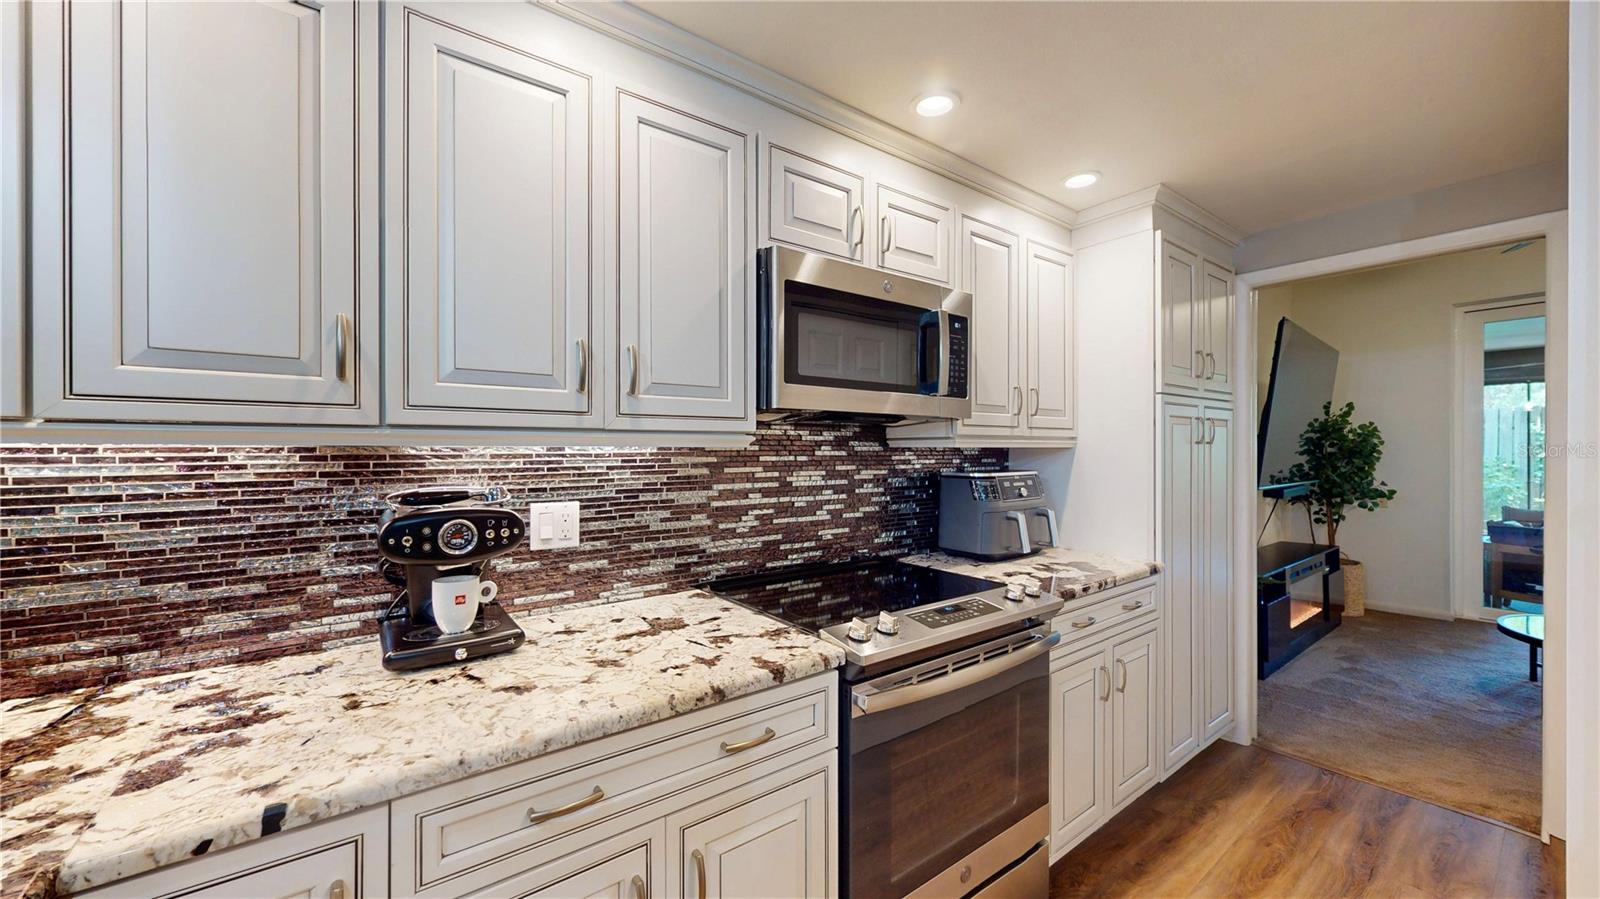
<point x="1303" y="369"/>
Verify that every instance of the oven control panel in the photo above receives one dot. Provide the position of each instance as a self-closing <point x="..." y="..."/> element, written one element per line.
<point x="954" y="613"/>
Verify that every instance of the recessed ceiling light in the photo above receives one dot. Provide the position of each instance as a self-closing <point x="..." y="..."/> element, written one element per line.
<point x="1082" y="179"/>
<point x="931" y="106"/>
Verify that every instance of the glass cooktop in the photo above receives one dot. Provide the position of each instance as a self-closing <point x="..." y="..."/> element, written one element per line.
<point x="814" y="597"/>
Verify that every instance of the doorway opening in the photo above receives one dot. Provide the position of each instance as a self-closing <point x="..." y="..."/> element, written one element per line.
<point x="1413" y="687"/>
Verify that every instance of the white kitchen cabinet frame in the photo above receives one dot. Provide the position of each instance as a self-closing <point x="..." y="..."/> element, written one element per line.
<point x="990" y="260"/>
<point x="815" y="205"/>
<point x="685" y="209"/>
<point x="218" y="258"/>
<point x="493" y="268"/>
<point x="341" y="858"/>
<point x="915" y="234"/>
<point x="1051" y="338"/>
<point x="13" y="209"/>
<point x="1194" y="321"/>
<point x="776" y="836"/>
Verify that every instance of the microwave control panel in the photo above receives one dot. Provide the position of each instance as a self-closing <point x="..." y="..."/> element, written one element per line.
<point x="959" y="326"/>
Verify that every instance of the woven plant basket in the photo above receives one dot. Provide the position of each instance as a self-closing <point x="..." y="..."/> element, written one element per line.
<point x="1355" y="587"/>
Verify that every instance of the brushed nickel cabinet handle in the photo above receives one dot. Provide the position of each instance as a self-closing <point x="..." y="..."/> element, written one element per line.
<point x="538" y="817"/>
<point x="1199" y="430"/>
<point x="851" y="239"/>
<point x="1035" y="392"/>
<point x="1135" y="604"/>
<point x="700" y="872"/>
<point x="1016" y="394"/>
<point x="583" y="365"/>
<point x="1199" y="364"/>
<point x="1105" y="696"/>
<point x="1122" y="676"/>
<point x="1212" y="368"/>
<point x="640" y="889"/>
<point x="883" y="234"/>
<point x="342" y="346"/>
<point x="633" y="368"/>
<point x="766" y="735"/>
<point x="1212" y="433"/>
<point x="336" y="890"/>
<point x="1084" y="622"/>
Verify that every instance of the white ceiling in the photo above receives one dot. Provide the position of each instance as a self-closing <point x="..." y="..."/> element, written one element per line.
<point x="1263" y="113"/>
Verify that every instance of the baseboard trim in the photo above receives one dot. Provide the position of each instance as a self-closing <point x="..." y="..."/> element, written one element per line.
<point x="1413" y="612"/>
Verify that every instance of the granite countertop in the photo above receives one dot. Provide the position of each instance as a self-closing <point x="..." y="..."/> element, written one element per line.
<point x="103" y="784"/>
<point x="1069" y="573"/>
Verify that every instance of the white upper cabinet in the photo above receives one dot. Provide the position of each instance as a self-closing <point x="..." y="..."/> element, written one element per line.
<point x="1216" y="293"/>
<point x="219" y="165"/>
<point x="989" y="261"/>
<point x="686" y="265"/>
<point x="814" y="205"/>
<point x="914" y="235"/>
<point x="1196" y="323"/>
<point x="491" y="290"/>
<point x="1051" y="338"/>
<point x="1182" y="320"/>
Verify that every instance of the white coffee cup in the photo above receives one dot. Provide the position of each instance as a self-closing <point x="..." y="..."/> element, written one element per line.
<point x="456" y="599"/>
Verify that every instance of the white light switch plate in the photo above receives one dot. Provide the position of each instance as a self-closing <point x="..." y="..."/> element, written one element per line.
<point x="552" y="525"/>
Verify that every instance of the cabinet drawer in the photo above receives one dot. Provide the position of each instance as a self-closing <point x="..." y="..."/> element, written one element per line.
<point x="344" y="857"/>
<point x="511" y="823"/>
<point x="1098" y="617"/>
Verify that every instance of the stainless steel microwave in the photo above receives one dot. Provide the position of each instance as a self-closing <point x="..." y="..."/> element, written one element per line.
<point x="838" y="337"/>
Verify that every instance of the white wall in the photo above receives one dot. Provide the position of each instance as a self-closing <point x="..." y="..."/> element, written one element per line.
<point x="1104" y="490"/>
<point x="1494" y="198"/>
<point x="1393" y="328"/>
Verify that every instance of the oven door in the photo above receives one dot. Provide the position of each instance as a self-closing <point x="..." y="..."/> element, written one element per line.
<point x="839" y="337"/>
<point x="947" y="770"/>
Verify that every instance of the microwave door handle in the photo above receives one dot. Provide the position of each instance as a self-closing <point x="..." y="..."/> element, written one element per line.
<point x="868" y="700"/>
<point x="1050" y="522"/>
<point x="1022" y="530"/>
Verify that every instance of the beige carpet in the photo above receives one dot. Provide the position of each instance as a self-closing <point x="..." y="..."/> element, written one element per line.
<point x="1439" y="710"/>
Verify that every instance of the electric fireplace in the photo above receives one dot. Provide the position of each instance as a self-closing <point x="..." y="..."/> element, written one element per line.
<point x="1294" y="600"/>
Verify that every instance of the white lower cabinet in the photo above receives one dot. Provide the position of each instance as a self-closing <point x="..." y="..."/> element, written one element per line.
<point x="771" y="839"/>
<point x="1103" y="724"/>
<point x="343" y="858"/>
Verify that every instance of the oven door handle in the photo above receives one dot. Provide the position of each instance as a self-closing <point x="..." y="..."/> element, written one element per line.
<point x="868" y="700"/>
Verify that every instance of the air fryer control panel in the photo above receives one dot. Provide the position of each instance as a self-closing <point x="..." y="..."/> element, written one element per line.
<point x="448" y="536"/>
<point x="1003" y="487"/>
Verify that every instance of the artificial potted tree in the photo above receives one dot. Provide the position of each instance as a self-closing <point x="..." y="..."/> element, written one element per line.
<point x="1340" y="460"/>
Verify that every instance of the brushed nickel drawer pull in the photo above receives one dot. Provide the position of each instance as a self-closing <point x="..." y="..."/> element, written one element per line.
<point x="537" y="817"/>
<point x="752" y="743"/>
<point x="1135" y="604"/>
<point x="700" y="872"/>
<point x="342" y="346"/>
<point x="1084" y="622"/>
<point x="336" y="890"/>
<point x="640" y="890"/>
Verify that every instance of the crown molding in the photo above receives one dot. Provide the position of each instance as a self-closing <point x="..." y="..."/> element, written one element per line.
<point x="1164" y="197"/>
<point x="632" y="25"/>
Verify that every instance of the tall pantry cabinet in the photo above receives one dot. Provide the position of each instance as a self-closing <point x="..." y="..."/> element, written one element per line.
<point x="1156" y="283"/>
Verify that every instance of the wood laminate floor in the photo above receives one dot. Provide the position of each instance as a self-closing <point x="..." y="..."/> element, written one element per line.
<point x="1243" y="821"/>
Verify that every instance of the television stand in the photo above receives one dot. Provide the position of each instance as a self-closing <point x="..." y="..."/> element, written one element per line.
<point x="1289" y="619"/>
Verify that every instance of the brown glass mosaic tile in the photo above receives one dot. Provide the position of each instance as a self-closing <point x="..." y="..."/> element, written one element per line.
<point x="122" y="561"/>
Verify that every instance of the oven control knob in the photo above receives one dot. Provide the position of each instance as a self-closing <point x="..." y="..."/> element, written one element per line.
<point x="1032" y="591"/>
<point x="888" y="624"/>
<point x="1013" y="594"/>
<point x="859" y="630"/>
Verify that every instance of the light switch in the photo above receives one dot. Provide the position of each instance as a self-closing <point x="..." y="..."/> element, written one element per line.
<point x="555" y="525"/>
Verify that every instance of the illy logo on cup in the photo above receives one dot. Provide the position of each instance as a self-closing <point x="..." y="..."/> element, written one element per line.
<point x="461" y="599"/>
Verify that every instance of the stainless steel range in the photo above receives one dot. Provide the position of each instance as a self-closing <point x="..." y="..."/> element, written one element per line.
<point x="945" y="726"/>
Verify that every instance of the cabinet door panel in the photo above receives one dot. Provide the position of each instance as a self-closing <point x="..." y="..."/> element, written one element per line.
<point x="814" y="205"/>
<point x="989" y="267"/>
<point x="1182" y="318"/>
<point x="1216" y="616"/>
<point x="1182" y="495"/>
<point x="1217" y="296"/>
<point x="1052" y="344"/>
<point x="914" y="235"/>
<point x="1133" y="716"/>
<point x="685" y="276"/>
<point x="1078" y="797"/>
<point x="772" y="846"/>
<point x="214" y="227"/>
<point x="630" y="865"/>
<point x="497" y="225"/>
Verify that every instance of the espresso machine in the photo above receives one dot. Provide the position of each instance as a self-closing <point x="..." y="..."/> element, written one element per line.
<point x="433" y="532"/>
